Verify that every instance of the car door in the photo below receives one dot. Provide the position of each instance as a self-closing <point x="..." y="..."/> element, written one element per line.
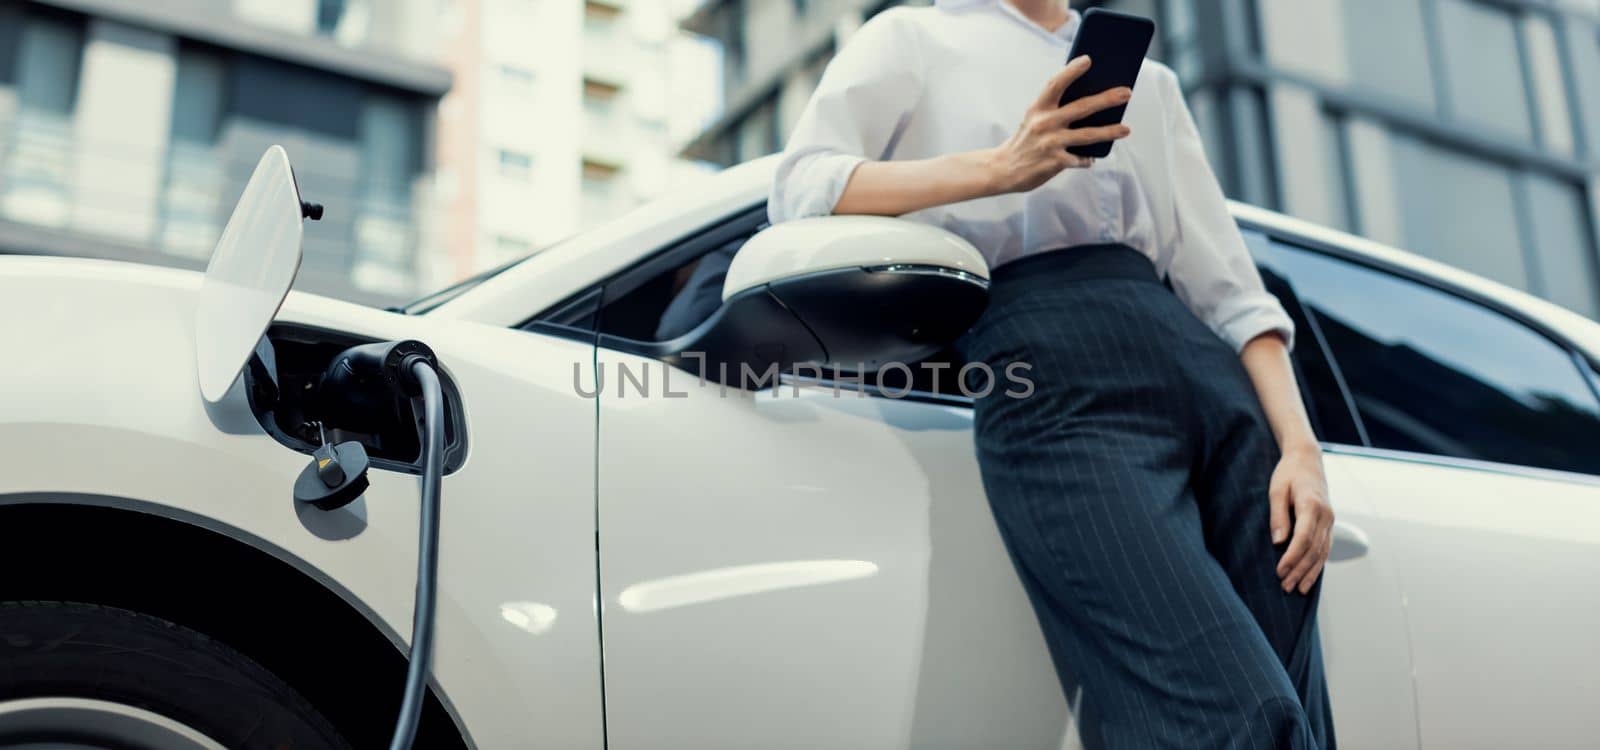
<point x="797" y="568"/>
<point x="1362" y="616"/>
<point x="1480" y="471"/>
<point x="818" y="568"/>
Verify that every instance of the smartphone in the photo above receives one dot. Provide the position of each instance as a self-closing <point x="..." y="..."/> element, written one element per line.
<point x="1116" y="44"/>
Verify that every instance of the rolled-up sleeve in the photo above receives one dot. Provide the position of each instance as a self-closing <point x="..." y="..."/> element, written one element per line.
<point x="1211" y="269"/>
<point x="861" y="103"/>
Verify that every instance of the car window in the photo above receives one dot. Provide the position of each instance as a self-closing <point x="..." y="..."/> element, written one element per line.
<point x="1326" y="401"/>
<point x="673" y="300"/>
<point x="1434" y="373"/>
<point x="669" y="293"/>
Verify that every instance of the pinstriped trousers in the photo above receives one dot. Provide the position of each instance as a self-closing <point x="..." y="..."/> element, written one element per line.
<point x="1131" y="490"/>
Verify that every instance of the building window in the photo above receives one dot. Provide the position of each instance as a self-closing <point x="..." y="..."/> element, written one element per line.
<point x="757" y="134"/>
<point x="191" y="201"/>
<point x="601" y="197"/>
<point x="385" y="241"/>
<point x="1379" y="46"/>
<point x="1548" y="83"/>
<point x="599" y="104"/>
<point x="329" y="12"/>
<point x="1460" y="210"/>
<point x="1483" y="67"/>
<point x="37" y="177"/>
<point x="600" y="15"/>
<point x="596" y="91"/>
<point x="517" y="76"/>
<point x="1564" y="244"/>
<point x="733" y="49"/>
<point x="1583" y="44"/>
<point x="515" y="165"/>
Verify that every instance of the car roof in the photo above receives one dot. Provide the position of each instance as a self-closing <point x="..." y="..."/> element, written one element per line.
<point x="552" y="275"/>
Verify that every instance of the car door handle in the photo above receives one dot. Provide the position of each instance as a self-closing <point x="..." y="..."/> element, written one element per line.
<point x="1349" y="542"/>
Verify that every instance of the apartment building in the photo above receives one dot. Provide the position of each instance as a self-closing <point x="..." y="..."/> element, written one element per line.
<point x="128" y="128"/>
<point x="561" y="117"/>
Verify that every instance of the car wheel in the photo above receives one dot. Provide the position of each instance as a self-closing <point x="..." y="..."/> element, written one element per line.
<point x="86" y="676"/>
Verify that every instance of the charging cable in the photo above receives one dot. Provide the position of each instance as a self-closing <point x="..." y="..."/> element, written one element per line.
<point x="416" y="690"/>
<point x="365" y="388"/>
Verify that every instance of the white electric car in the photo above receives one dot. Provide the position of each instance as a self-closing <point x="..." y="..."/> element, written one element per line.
<point x="634" y="556"/>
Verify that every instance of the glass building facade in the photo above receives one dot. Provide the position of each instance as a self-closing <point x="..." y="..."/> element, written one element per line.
<point x="1463" y="130"/>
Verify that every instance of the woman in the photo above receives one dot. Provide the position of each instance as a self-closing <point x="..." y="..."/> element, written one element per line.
<point x="1161" y="493"/>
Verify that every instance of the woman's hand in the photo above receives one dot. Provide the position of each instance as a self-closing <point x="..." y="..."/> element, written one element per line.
<point x="1038" y="150"/>
<point x="1299" y="513"/>
<point x="1298" y="486"/>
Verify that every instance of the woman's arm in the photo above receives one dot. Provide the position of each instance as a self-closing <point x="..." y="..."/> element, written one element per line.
<point x="1213" y="273"/>
<point x="1033" y="155"/>
<point x="1298" y="486"/>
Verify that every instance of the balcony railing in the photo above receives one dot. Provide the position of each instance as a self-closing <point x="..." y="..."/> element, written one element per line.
<point x="36" y="176"/>
<point x="368" y="247"/>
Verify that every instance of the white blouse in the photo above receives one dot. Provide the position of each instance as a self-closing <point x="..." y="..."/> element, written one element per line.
<point x="915" y="83"/>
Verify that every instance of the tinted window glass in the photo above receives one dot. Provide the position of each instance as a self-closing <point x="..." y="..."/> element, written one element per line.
<point x="1434" y="373"/>
<point x="1319" y="389"/>
<point x="1319" y="386"/>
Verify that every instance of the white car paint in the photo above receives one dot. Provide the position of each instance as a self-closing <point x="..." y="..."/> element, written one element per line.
<point x="802" y="571"/>
<point x="110" y="375"/>
<point x="1497" y="571"/>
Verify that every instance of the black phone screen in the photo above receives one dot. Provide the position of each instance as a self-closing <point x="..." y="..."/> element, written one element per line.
<point x="1116" y="44"/>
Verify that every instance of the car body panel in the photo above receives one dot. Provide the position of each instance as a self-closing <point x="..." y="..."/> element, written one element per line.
<point x="802" y="571"/>
<point x="114" y="409"/>
<point x="837" y="582"/>
<point x="1498" y="567"/>
<point x="766" y="593"/>
<point x="1362" y="621"/>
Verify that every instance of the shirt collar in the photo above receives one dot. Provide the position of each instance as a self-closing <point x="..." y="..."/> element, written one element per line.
<point x="1064" y="34"/>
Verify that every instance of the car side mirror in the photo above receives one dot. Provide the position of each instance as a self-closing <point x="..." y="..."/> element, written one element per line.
<point x="845" y="293"/>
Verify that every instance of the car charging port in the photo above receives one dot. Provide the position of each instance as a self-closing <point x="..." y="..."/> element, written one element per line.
<point x="285" y="386"/>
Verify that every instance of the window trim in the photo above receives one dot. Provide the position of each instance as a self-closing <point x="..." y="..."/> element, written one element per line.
<point x="1452" y="462"/>
<point x="1589" y="372"/>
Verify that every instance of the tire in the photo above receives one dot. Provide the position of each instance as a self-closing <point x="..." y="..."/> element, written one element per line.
<point x="60" y="650"/>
